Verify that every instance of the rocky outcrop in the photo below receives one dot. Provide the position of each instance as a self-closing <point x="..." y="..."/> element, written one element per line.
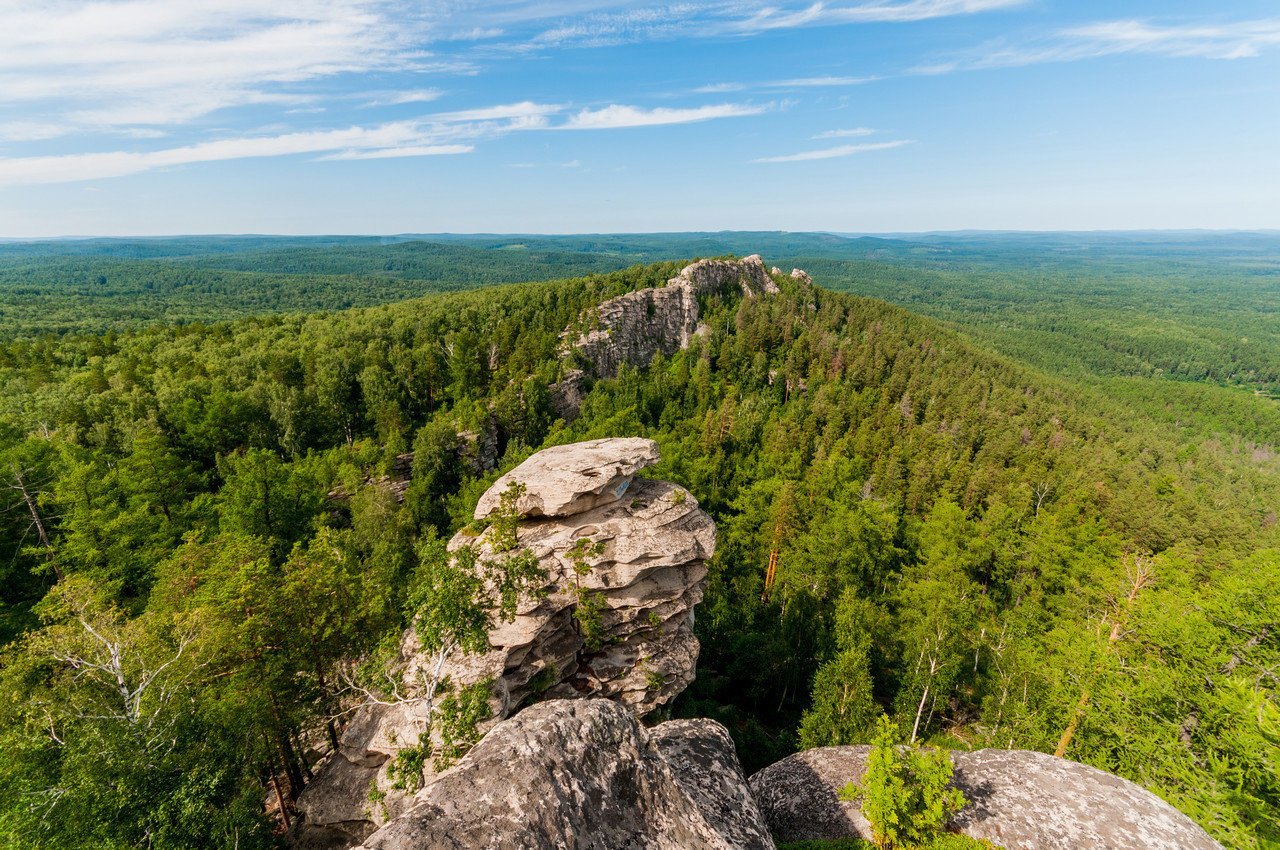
<point x="1018" y="799"/>
<point x="638" y="577"/>
<point x="566" y="480"/>
<point x="585" y="774"/>
<point x="632" y="328"/>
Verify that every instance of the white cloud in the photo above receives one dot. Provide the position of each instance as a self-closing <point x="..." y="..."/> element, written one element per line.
<point x="525" y="110"/>
<point x="832" y="153"/>
<point x="615" y="116"/>
<point x="1237" y="40"/>
<point x="164" y="61"/>
<point x="439" y="134"/>
<point x="720" y="88"/>
<point x="68" y="168"/>
<point x="407" y="150"/>
<point x="818" y="82"/>
<point x="852" y="132"/>
<point x="398" y="98"/>
<point x="876" y="11"/>
<point x="1229" y="41"/>
<point x="30" y="131"/>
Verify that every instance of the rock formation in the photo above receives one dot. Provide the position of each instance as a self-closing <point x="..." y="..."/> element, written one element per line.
<point x="1017" y="799"/>
<point x="586" y="774"/>
<point x="632" y="328"/>
<point x="643" y="569"/>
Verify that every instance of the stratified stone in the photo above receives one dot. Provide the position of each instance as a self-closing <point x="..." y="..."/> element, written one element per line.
<point x="579" y="774"/>
<point x="643" y="565"/>
<point x="1018" y="799"/>
<point x="633" y="328"/>
<point x="566" y="480"/>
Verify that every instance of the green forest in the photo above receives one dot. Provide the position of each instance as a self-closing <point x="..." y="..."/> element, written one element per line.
<point x="1030" y="504"/>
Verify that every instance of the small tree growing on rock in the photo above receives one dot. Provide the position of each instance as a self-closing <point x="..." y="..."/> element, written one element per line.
<point x="457" y="600"/>
<point x="906" y="793"/>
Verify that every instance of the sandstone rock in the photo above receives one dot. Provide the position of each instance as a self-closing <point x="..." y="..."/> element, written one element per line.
<point x="631" y="329"/>
<point x="1019" y="799"/>
<point x="801" y="275"/>
<point x="566" y="480"/>
<point x="584" y="774"/>
<point x="646" y="571"/>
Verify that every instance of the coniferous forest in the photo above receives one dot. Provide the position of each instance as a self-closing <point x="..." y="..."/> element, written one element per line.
<point x="1032" y="503"/>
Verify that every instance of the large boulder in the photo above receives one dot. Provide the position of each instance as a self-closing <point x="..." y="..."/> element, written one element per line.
<point x="566" y="480"/>
<point x="1018" y="799"/>
<point x="640" y="578"/>
<point x="579" y="774"/>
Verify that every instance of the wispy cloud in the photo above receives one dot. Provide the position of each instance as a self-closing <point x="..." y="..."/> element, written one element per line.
<point x="405" y="151"/>
<point x="877" y="11"/>
<point x="160" y="62"/>
<point x="399" y="98"/>
<point x="615" y="116"/>
<point x="439" y="134"/>
<point x="605" y="26"/>
<point x="851" y="133"/>
<point x="829" y="81"/>
<point x="1236" y="40"/>
<point x="833" y="153"/>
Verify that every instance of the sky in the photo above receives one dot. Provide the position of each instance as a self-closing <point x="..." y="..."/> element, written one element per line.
<point x="155" y="117"/>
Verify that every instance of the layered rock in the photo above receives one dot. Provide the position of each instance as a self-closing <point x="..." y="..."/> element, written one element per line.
<point x="1017" y="799"/>
<point x="642" y="566"/>
<point x="632" y="328"/>
<point x="585" y="774"/>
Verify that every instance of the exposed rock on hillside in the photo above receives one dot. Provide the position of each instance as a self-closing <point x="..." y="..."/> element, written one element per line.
<point x="632" y="328"/>
<point x="1020" y="800"/>
<point x="585" y="774"/>
<point x="566" y="480"/>
<point x="643" y="569"/>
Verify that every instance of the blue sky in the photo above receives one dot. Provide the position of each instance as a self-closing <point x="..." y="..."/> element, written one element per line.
<point x="122" y="117"/>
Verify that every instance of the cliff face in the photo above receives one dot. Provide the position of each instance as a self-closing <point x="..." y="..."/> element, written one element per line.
<point x="640" y="572"/>
<point x="1017" y="799"/>
<point x="632" y="328"/>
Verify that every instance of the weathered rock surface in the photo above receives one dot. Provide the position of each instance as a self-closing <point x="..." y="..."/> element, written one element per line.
<point x="646" y="573"/>
<point x="1019" y="799"/>
<point x="581" y="774"/>
<point x="631" y="329"/>
<point x="570" y="479"/>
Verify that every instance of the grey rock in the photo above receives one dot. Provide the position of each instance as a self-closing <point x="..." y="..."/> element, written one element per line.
<point x="801" y="275"/>
<point x="566" y="480"/>
<point x="1019" y="799"/>
<point x="647" y="570"/>
<point x="633" y="328"/>
<point x="580" y="774"/>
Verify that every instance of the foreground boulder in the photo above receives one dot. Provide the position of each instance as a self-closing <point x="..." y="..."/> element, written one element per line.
<point x="640" y="573"/>
<point x="583" y="774"/>
<point x="1018" y="799"/>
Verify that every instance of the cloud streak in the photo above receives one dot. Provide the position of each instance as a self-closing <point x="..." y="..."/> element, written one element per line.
<point x="615" y="116"/>
<point x="440" y="134"/>
<point x="833" y="153"/>
<point x="1236" y="40"/>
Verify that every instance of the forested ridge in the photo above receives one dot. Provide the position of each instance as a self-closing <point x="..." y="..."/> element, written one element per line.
<point x="990" y="554"/>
